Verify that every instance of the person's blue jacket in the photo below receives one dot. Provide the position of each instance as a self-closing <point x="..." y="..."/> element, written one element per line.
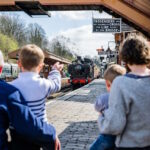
<point x="14" y="111"/>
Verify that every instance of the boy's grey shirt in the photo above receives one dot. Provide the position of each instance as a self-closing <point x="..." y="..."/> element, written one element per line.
<point x="101" y="102"/>
<point x="128" y="115"/>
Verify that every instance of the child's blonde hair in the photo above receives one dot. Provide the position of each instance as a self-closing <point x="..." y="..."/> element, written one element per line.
<point x="31" y="56"/>
<point x="113" y="71"/>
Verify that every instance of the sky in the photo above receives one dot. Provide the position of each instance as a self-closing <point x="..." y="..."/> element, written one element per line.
<point x="76" y="25"/>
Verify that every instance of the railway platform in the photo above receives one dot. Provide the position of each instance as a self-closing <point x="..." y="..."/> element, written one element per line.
<point x="74" y="116"/>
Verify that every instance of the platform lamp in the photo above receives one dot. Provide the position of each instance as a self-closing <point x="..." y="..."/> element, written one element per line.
<point x="109" y="43"/>
<point x="109" y="51"/>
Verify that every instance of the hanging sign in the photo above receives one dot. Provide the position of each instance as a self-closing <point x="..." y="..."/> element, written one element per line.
<point x="107" y="25"/>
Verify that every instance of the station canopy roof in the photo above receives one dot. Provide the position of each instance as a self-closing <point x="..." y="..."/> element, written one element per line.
<point x="135" y="13"/>
<point x="50" y="58"/>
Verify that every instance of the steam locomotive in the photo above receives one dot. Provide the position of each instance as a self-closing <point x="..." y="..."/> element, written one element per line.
<point x="82" y="72"/>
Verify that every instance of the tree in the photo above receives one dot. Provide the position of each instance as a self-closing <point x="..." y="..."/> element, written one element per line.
<point x="13" y="27"/>
<point x="19" y="34"/>
<point x="60" y="46"/>
<point x="7" y="44"/>
<point x="37" y="35"/>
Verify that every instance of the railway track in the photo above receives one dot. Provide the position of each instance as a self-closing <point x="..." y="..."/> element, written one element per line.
<point x="62" y="92"/>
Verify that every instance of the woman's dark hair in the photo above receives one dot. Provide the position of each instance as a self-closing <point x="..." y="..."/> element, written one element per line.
<point x="135" y="50"/>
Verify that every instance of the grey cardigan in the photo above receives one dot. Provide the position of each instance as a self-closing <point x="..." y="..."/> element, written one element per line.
<point x="128" y="115"/>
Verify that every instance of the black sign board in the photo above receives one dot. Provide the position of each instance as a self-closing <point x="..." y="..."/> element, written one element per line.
<point x="126" y="28"/>
<point x="107" y="25"/>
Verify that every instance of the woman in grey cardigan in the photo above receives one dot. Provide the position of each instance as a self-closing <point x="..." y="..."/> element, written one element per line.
<point x="128" y="116"/>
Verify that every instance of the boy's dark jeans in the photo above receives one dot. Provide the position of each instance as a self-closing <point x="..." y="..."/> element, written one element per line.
<point x="104" y="142"/>
<point x="20" y="143"/>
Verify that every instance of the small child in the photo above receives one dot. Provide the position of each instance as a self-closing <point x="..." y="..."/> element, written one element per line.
<point x="34" y="88"/>
<point x="104" y="142"/>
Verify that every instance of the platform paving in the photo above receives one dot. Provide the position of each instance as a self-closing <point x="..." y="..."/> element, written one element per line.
<point x="74" y="116"/>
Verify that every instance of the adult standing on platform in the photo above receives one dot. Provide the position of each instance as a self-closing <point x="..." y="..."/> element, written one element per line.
<point x="128" y="115"/>
<point x="14" y="112"/>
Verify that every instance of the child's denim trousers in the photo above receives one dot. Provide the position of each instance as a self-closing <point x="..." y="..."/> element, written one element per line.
<point x="104" y="142"/>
